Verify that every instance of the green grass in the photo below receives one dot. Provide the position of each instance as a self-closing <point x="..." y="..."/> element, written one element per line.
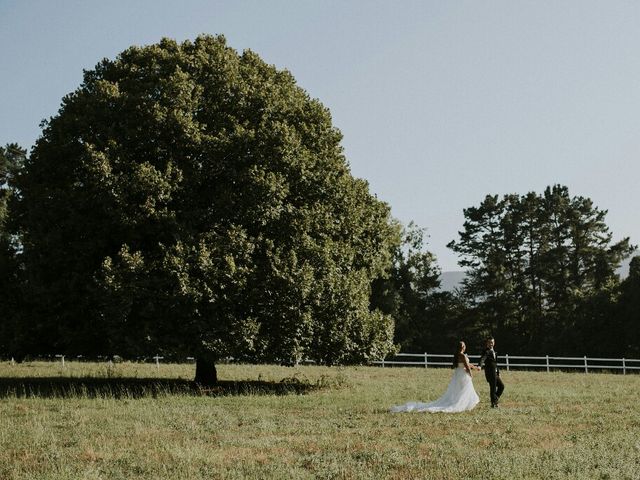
<point x="134" y="421"/>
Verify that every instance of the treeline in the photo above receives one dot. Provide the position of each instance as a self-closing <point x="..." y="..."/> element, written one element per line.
<point x="190" y="200"/>
<point x="541" y="277"/>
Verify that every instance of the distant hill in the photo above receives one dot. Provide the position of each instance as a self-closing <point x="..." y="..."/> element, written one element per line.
<point x="453" y="279"/>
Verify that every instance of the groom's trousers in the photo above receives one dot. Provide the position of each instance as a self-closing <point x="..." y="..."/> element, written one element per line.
<point x="496" y="387"/>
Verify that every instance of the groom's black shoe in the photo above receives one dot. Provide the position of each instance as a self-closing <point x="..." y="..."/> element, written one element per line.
<point x="494" y="405"/>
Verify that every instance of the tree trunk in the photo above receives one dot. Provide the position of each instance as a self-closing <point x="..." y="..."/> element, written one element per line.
<point x="206" y="373"/>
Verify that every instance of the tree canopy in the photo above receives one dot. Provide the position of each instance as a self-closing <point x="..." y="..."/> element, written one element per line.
<point x="187" y="199"/>
<point x="425" y="316"/>
<point x="12" y="158"/>
<point x="624" y="334"/>
<point x="533" y="260"/>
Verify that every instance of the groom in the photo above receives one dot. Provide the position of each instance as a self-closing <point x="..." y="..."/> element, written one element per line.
<point x="489" y="361"/>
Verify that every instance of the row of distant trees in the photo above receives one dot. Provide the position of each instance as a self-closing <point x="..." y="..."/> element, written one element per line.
<point x="540" y="275"/>
<point x="190" y="200"/>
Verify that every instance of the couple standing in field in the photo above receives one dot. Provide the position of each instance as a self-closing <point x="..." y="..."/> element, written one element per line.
<point x="460" y="394"/>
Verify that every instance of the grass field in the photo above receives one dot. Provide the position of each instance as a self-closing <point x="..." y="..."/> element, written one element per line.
<point x="134" y="421"/>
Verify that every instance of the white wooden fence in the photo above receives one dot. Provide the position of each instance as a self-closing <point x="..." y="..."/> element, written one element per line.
<point x="425" y="360"/>
<point x="508" y="362"/>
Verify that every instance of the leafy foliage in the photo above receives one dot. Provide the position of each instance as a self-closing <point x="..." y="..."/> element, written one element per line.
<point x="534" y="263"/>
<point x="12" y="158"/>
<point x="425" y="317"/>
<point x="627" y="312"/>
<point x="188" y="199"/>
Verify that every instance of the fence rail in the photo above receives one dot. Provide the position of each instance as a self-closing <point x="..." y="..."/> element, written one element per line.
<point x="516" y="361"/>
<point x="425" y="360"/>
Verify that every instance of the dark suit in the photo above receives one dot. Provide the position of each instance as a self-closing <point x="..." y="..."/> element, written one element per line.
<point x="489" y="361"/>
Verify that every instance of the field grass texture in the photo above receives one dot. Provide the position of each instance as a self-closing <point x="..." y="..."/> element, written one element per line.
<point x="140" y="421"/>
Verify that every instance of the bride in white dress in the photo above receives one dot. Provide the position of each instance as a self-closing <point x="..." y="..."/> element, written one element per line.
<point x="460" y="395"/>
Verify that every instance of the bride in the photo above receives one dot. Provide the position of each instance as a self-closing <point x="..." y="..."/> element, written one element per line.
<point x="460" y="395"/>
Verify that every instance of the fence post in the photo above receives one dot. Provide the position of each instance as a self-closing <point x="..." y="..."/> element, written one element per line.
<point x="507" y="358"/>
<point x="158" y="358"/>
<point x="547" y="363"/>
<point x="61" y="357"/>
<point x="624" y="367"/>
<point x="425" y="360"/>
<point x="382" y="362"/>
<point x="586" y="369"/>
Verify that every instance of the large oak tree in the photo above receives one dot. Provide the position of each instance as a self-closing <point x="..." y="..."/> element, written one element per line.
<point x="190" y="200"/>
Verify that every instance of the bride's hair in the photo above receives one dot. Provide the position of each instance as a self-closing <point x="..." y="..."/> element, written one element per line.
<point x="457" y="352"/>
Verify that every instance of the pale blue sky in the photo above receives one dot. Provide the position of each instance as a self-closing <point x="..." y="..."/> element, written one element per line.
<point x="440" y="102"/>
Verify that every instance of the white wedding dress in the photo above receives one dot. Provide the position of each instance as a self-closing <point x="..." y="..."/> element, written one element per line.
<point x="459" y="397"/>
